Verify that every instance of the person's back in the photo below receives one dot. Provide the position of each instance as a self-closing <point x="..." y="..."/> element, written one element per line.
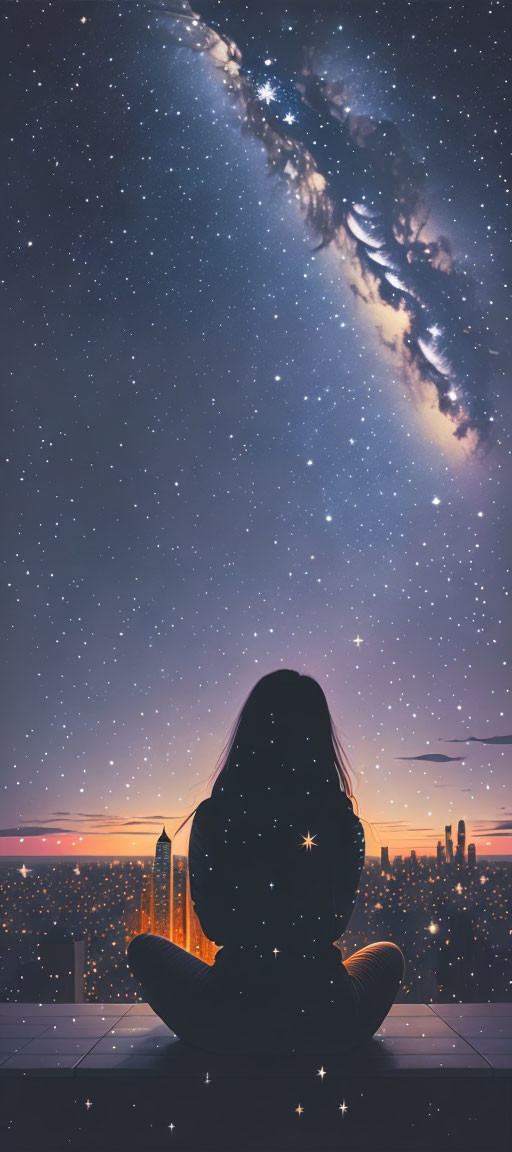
<point x="288" y="881"/>
<point x="275" y="857"/>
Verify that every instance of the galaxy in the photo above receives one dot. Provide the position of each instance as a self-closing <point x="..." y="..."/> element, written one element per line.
<point x="255" y="291"/>
<point x="363" y="190"/>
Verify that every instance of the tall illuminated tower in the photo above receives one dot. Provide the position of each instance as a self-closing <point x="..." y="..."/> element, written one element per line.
<point x="440" y="853"/>
<point x="179" y="900"/>
<point x="471" y="856"/>
<point x="448" y="843"/>
<point x="460" y="854"/>
<point x="162" y="887"/>
<point x="384" y="860"/>
<point x="146" y="904"/>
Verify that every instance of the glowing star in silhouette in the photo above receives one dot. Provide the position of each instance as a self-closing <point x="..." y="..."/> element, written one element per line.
<point x="309" y="841"/>
<point x="266" y="92"/>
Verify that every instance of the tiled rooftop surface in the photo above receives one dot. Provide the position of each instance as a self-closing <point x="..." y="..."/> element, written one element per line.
<point x="73" y="1040"/>
<point x="113" y="1078"/>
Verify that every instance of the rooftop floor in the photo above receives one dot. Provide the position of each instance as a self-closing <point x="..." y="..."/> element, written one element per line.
<point x="110" y="1039"/>
<point x="108" y="1076"/>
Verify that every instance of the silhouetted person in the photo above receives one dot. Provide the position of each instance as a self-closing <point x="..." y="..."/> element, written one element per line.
<point x="275" y="857"/>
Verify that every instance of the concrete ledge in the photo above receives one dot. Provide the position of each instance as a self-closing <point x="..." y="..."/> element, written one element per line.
<point x="114" y="1077"/>
<point x="109" y="1040"/>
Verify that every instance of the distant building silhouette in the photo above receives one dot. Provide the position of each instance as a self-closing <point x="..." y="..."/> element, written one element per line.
<point x="146" y="904"/>
<point x="384" y="860"/>
<point x="58" y="973"/>
<point x="448" y="843"/>
<point x="197" y="942"/>
<point x="471" y="856"/>
<point x="460" y="854"/>
<point x="414" y="859"/>
<point x="440" y="853"/>
<point x="162" y="887"/>
<point x="79" y="971"/>
<point x="179" y="900"/>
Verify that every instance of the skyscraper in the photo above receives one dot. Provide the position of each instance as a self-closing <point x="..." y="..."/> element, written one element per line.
<point x="384" y="860"/>
<point x="461" y="842"/>
<point x="146" y="904"/>
<point x="471" y="856"/>
<point x="448" y="843"/>
<point x="162" y="887"/>
<point x="197" y="942"/>
<point x="440" y="853"/>
<point x="179" y="900"/>
<point x="58" y="974"/>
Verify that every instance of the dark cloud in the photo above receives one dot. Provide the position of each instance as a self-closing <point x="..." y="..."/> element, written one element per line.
<point x="489" y="828"/>
<point x="432" y="757"/>
<point x="35" y="830"/>
<point x="480" y="740"/>
<point x="400" y="824"/>
<point x="495" y="835"/>
<point x="91" y="823"/>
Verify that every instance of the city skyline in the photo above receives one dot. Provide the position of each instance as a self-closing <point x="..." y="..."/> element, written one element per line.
<point x="399" y="842"/>
<point x="442" y="917"/>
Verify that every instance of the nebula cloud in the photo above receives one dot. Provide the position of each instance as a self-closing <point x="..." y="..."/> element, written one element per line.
<point x="364" y="194"/>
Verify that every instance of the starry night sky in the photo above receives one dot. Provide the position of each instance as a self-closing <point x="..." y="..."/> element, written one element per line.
<point x="217" y="460"/>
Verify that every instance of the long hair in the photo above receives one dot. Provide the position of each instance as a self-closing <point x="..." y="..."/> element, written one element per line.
<point x="284" y="739"/>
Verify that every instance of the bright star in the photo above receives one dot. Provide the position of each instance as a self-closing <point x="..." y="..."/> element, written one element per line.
<point x="436" y="500"/>
<point x="266" y="92"/>
<point x="358" y="640"/>
<point x="321" y="1072"/>
<point x="289" y="118"/>
<point x="309" y="841"/>
<point x="299" y="1109"/>
<point x="276" y="952"/>
<point x="88" y="1104"/>
<point x="343" y="1108"/>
